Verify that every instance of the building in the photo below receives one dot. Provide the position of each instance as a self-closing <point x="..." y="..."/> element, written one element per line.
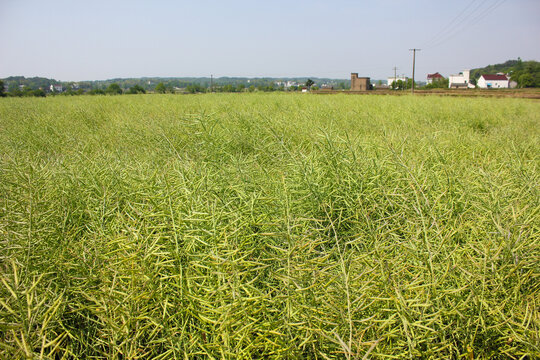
<point x="390" y="80"/>
<point x="498" y="81"/>
<point x="461" y="80"/>
<point x="434" y="77"/>
<point x="359" y="83"/>
<point x="55" y="88"/>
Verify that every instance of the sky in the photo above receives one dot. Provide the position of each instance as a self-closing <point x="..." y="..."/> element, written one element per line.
<point x="104" y="39"/>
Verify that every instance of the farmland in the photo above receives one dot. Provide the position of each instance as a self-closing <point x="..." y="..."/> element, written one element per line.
<point x="283" y="226"/>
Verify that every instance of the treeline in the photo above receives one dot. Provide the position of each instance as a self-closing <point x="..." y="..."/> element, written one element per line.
<point x="160" y="88"/>
<point x="37" y="86"/>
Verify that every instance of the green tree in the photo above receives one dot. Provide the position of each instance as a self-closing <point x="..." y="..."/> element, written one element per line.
<point x="14" y="90"/>
<point x="96" y="92"/>
<point x="409" y="83"/>
<point x="113" y="89"/>
<point x="195" y="88"/>
<point x="228" y="88"/>
<point x="2" y="92"/>
<point x="526" y="80"/>
<point x="309" y="83"/>
<point x="160" y="88"/>
<point x="438" y="84"/>
<point x="137" y="89"/>
<point x="38" y="93"/>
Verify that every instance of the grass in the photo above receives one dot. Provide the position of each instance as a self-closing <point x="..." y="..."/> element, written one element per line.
<point x="238" y="226"/>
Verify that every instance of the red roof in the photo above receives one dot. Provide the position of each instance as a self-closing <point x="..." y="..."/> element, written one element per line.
<point x="435" y="76"/>
<point x="494" y="77"/>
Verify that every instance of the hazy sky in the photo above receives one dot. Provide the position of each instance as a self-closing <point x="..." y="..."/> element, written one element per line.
<point x="91" y="40"/>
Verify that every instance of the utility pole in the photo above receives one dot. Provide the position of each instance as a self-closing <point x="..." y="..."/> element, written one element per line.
<point x="413" y="63"/>
<point x="211" y="83"/>
<point x="395" y="75"/>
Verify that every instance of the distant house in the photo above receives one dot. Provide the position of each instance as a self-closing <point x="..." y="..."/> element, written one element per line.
<point x="390" y="80"/>
<point x="497" y="81"/>
<point x="460" y="81"/>
<point x="434" y="77"/>
<point x="56" y="88"/>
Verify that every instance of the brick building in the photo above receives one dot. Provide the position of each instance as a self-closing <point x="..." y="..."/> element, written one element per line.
<point x="359" y="83"/>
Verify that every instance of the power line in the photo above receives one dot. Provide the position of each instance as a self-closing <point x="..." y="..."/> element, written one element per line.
<point x="463" y="19"/>
<point x="471" y="21"/>
<point x="445" y="28"/>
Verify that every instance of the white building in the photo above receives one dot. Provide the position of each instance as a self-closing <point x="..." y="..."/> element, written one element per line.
<point x="291" y="83"/>
<point x="390" y="80"/>
<point x="498" y="81"/>
<point x="461" y="80"/>
<point x="56" y="88"/>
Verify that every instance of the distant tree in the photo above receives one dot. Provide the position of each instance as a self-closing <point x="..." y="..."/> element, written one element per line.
<point x="408" y="84"/>
<point x="160" y="88"/>
<point x="38" y="93"/>
<point x="113" y="89"/>
<point x="525" y="80"/>
<point x="251" y="88"/>
<point x="519" y="64"/>
<point x="2" y="92"/>
<point x="96" y="92"/>
<point x="438" y="84"/>
<point x="228" y="88"/>
<point x="309" y="83"/>
<point x="240" y="87"/>
<point x="14" y="90"/>
<point x="137" y="89"/>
